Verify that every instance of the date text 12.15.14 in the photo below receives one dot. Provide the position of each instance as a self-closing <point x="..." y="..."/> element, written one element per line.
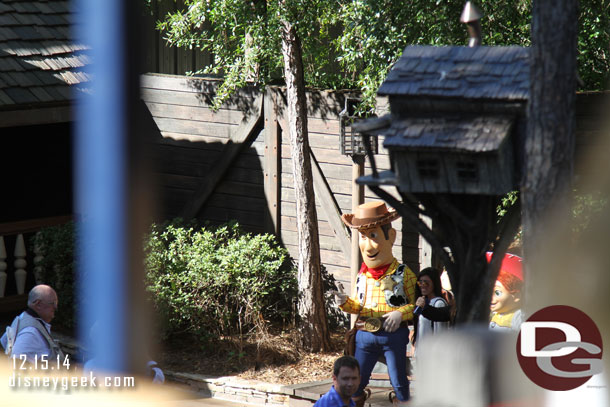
<point x="20" y="362"/>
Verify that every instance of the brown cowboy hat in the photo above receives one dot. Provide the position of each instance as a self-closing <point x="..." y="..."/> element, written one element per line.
<point x="369" y="215"/>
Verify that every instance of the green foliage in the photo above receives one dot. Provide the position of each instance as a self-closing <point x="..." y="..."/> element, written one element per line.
<point x="245" y="39"/>
<point x="506" y="202"/>
<point x="336" y="317"/>
<point x="56" y="246"/>
<point x="353" y="44"/>
<point x="587" y="206"/>
<point x="593" y="40"/>
<point x="212" y="282"/>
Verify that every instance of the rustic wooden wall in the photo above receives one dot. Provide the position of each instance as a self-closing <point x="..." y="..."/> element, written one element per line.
<point x="160" y="57"/>
<point x="257" y="187"/>
<point x="191" y="146"/>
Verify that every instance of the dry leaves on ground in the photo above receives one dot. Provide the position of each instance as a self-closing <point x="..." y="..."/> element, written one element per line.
<point x="272" y="358"/>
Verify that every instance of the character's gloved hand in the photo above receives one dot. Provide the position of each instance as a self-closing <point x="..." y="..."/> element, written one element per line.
<point x="340" y="297"/>
<point x="392" y="321"/>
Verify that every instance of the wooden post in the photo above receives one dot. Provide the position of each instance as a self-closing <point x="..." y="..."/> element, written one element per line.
<point x="273" y="142"/>
<point x="357" y="199"/>
<point x="425" y="253"/>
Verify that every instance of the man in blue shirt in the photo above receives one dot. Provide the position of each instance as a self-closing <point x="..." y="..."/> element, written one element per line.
<point x="346" y="378"/>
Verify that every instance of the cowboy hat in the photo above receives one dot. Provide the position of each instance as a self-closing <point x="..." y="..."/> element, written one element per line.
<point x="369" y="215"/>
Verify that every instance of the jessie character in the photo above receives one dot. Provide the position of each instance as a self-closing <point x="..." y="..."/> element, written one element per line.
<point x="384" y="299"/>
<point x="506" y="297"/>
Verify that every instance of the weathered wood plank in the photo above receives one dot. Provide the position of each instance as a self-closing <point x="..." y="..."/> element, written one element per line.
<point x="240" y="137"/>
<point x="166" y="158"/>
<point x="336" y="258"/>
<point x="191" y="91"/>
<point x="330" y="156"/>
<point x="205" y="142"/>
<point x="330" y="208"/>
<point x="250" y="221"/>
<point x="323" y="126"/>
<point x="184" y="57"/>
<point x="344" y="201"/>
<point x="290" y="223"/>
<point x="179" y="83"/>
<point x="338" y="186"/>
<point x="326" y="242"/>
<point x="201" y="171"/>
<point x="29" y="117"/>
<point x="191" y="183"/>
<point x="166" y="53"/>
<point x="190" y="141"/>
<point x="242" y="203"/>
<point x="195" y="128"/>
<point x="196" y="113"/>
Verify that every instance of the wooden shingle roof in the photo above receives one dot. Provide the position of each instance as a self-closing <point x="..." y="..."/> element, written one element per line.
<point x="39" y="61"/>
<point x="496" y="73"/>
<point x="467" y="134"/>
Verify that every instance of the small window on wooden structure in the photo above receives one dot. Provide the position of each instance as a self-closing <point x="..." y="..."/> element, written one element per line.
<point x="467" y="171"/>
<point x="428" y="168"/>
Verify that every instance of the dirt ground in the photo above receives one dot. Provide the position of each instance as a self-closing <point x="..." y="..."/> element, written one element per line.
<point x="272" y="358"/>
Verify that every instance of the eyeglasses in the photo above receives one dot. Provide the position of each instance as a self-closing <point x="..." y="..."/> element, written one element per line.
<point x="423" y="282"/>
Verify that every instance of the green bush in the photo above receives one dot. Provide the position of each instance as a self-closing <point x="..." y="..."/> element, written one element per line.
<point x="56" y="246"/>
<point x="217" y="281"/>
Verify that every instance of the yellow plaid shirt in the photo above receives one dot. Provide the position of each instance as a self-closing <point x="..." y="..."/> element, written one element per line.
<point x="375" y="304"/>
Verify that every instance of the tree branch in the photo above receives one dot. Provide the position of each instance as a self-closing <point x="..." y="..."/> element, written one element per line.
<point x="446" y="206"/>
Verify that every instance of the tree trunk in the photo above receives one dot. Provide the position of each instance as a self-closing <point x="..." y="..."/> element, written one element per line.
<point x="314" y="328"/>
<point x="549" y="146"/>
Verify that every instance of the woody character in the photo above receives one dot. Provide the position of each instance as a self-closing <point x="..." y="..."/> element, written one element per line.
<point x="506" y="297"/>
<point x="384" y="299"/>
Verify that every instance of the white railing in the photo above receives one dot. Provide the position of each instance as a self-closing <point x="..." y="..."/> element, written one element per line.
<point x="20" y="264"/>
<point x="15" y="235"/>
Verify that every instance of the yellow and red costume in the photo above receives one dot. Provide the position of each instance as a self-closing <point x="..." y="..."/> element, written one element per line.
<point x="384" y="299"/>
<point x="393" y="291"/>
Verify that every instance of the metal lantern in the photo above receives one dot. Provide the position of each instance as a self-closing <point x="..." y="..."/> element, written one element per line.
<point x="351" y="142"/>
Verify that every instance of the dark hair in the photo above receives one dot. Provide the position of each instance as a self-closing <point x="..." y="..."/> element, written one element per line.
<point x="386" y="230"/>
<point x="345" y="361"/>
<point x="435" y="276"/>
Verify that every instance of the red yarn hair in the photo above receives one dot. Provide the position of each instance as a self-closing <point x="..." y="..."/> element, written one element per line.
<point x="510" y="282"/>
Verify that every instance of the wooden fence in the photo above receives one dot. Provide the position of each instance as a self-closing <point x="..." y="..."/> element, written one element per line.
<point x="235" y="163"/>
<point x="158" y="55"/>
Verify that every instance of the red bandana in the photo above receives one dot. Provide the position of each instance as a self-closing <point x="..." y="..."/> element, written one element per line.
<point x="376" y="273"/>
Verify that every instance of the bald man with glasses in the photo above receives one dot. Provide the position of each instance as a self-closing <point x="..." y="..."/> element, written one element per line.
<point x="30" y="332"/>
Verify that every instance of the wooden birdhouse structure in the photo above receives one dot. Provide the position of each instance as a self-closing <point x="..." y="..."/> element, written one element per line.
<point x="457" y="119"/>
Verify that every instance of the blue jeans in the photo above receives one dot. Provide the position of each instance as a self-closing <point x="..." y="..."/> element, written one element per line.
<point x="371" y="345"/>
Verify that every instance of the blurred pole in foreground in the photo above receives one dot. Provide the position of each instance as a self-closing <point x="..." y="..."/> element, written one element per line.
<point x="106" y="182"/>
<point x="471" y="366"/>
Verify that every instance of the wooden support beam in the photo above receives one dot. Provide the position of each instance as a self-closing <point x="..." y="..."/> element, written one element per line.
<point x="330" y="208"/>
<point x="60" y="113"/>
<point x="225" y="160"/>
<point x="31" y="225"/>
<point x="273" y="140"/>
<point x="323" y="191"/>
